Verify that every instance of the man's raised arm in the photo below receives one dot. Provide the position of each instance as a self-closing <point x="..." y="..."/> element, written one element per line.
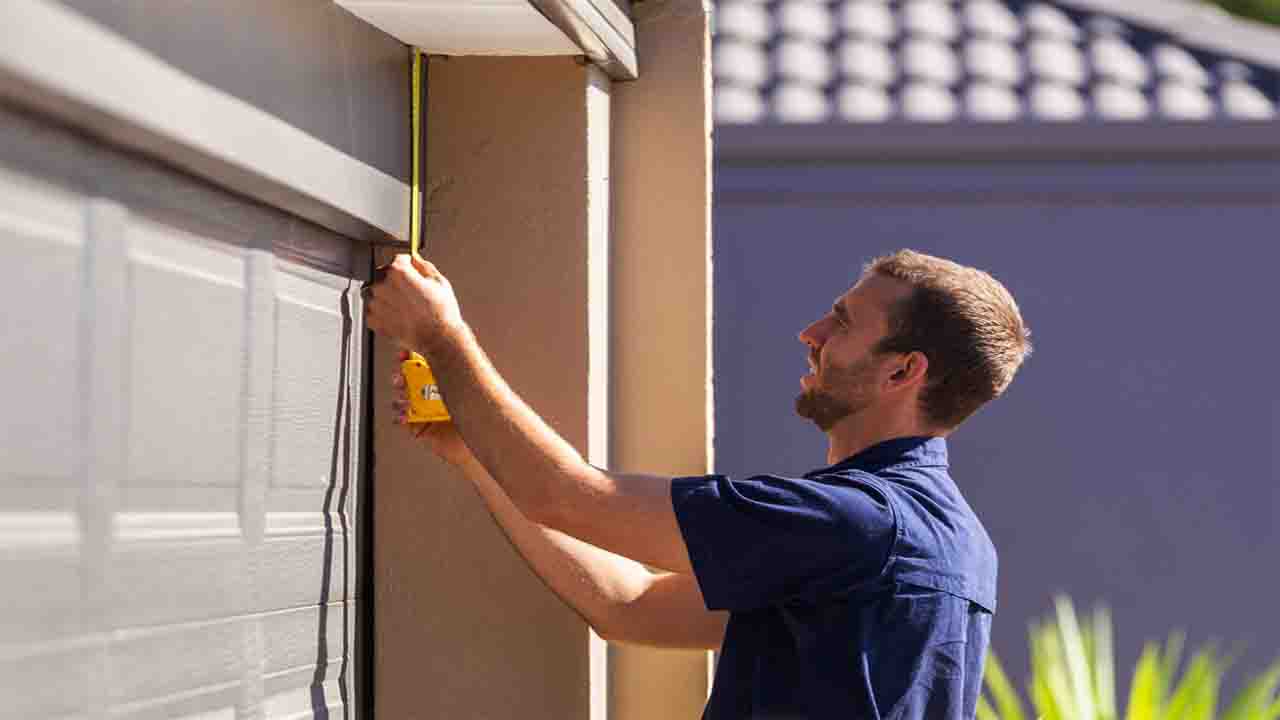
<point x="543" y="475"/>
<point x="619" y="598"/>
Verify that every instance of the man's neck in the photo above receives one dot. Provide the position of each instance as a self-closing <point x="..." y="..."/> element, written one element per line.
<point x="852" y="435"/>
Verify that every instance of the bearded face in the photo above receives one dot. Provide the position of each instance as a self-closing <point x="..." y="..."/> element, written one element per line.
<point x="836" y="392"/>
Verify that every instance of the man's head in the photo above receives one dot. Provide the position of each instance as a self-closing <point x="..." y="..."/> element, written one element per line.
<point x="917" y="337"/>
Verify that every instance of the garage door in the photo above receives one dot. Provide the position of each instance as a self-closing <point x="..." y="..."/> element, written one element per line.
<point x="180" y="371"/>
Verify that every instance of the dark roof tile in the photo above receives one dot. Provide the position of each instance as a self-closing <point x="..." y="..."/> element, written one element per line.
<point x="986" y="60"/>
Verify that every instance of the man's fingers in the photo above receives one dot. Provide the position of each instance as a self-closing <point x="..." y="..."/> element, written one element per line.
<point x="397" y="380"/>
<point x="425" y="267"/>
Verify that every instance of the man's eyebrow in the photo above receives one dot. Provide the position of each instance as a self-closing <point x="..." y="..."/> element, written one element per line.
<point x="838" y="308"/>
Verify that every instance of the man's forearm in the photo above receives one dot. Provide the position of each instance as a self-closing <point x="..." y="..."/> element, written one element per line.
<point x="598" y="585"/>
<point x="504" y="432"/>
<point x="545" y="476"/>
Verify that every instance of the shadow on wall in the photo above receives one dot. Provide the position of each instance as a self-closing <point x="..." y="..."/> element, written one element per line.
<point x="339" y="466"/>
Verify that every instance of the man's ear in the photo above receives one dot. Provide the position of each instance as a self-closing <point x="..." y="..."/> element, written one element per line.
<point x="913" y="368"/>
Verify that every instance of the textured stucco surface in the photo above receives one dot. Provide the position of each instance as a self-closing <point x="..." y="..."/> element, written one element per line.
<point x="465" y="629"/>
<point x="661" y="315"/>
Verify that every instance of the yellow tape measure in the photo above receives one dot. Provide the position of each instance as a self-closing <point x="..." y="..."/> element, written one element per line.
<point x="425" y="403"/>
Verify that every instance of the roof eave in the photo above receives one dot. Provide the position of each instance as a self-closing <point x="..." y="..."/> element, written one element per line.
<point x="605" y="34"/>
<point x="970" y="141"/>
<point x="1196" y="24"/>
<point x="599" y="29"/>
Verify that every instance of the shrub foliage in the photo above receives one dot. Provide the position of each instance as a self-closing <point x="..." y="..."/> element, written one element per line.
<point x="1073" y="678"/>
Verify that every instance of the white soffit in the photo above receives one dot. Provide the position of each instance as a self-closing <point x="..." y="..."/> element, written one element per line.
<point x="466" y="27"/>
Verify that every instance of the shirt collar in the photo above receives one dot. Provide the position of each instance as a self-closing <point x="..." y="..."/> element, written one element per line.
<point x="909" y="451"/>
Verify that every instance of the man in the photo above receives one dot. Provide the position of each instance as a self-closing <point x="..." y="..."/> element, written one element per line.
<point x="860" y="590"/>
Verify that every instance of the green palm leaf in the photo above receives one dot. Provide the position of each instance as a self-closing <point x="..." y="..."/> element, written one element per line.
<point x="1078" y="676"/>
<point x="1254" y="702"/>
<point x="1169" y="663"/>
<point x="1145" y="702"/>
<point x="1073" y="678"/>
<point x="1006" y="698"/>
<point x="985" y="712"/>
<point x="1104" y="671"/>
<point x="1197" y="686"/>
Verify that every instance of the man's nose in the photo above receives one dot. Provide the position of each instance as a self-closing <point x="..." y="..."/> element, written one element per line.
<point x="811" y="335"/>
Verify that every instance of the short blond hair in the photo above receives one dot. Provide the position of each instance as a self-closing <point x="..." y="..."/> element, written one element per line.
<point x="964" y="321"/>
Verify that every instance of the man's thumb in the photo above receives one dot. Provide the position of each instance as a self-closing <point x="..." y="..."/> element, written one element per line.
<point x="424" y="267"/>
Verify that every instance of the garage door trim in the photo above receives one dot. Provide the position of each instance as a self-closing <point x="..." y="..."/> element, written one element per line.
<point x="58" y="62"/>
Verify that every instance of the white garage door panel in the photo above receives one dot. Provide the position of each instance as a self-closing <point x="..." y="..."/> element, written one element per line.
<point x="40" y="231"/>
<point x="42" y="550"/>
<point x="187" y="344"/>
<point x="48" y="681"/>
<point x="308" y="327"/>
<point x="291" y="648"/>
<point x="179" y="659"/>
<point x="168" y="581"/>
<point x="290" y="663"/>
<point x="293" y="560"/>
<point x="178" y="446"/>
<point x="215" y="705"/>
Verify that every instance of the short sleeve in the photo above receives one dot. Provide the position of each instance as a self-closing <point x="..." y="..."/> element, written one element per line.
<point x="767" y="540"/>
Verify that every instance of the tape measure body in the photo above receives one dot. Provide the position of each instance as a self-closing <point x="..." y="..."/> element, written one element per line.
<point x="425" y="403"/>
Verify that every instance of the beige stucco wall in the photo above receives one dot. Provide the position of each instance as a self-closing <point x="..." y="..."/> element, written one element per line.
<point x="661" y="315"/>
<point x="587" y="278"/>
<point x="463" y="628"/>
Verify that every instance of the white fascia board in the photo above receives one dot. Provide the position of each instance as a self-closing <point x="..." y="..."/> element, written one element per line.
<point x="466" y="27"/>
<point x="598" y="29"/>
<point x="604" y="34"/>
<point x="66" y="66"/>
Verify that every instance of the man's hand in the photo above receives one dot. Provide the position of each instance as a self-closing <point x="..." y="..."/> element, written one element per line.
<point x="442" y="437"/>
<point x="412" y="304"/>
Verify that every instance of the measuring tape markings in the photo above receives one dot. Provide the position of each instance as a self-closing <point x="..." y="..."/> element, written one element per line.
<point x="425" y="402"/>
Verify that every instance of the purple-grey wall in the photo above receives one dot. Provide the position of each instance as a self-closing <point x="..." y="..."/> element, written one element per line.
<point x="1133" y="460"/>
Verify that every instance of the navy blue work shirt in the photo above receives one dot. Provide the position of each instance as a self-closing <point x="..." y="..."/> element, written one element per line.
<point x="861" y="591"/>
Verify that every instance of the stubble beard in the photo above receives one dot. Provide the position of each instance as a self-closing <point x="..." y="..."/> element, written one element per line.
<point x="825" y="408"/>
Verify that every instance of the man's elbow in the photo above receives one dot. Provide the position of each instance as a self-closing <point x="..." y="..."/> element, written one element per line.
<point x="615" y="624"/>
<point x="558" y="502"/>
<point x="607" y="631"/>
<point x="612" y="616"/>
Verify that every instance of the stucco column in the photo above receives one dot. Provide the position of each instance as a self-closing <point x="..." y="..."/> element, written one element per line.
<point x="518" y="215"/>
<point x="661" y="314"/>
<point x="464" y="629"/>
